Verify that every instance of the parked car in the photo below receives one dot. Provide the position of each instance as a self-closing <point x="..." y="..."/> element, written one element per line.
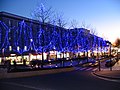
<point x="110" y="63"/>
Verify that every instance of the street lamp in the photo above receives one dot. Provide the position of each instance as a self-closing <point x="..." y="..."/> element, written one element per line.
<point x="110" y="58"/>
<point x="109" y="43"/>
<point x="99" y="67"/>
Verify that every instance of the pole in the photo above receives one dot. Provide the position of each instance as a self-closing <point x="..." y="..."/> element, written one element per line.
<point x="42" y="58"/>
<point x="110" y="59"/>
<point x="42" y="47"/>
<point x="98" y="59"/>
<point x="63" y="59"/>
<point x="56" y="59"/>
<point x="99" y="65"/>
<point x="117" y="56"/>
<point x="3" y="57"/>
<point x="87" y="56"/>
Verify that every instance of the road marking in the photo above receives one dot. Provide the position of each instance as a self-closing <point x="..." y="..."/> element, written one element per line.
<point x="26" y="86"/>
<point x="88" y="69"/>
<point x="80" y="68"/>
<point x="84" y="68"/>
<point x="94" y="69"/>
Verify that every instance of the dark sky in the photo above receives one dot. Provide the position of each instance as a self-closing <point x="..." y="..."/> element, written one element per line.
<point x="101" y="15"/>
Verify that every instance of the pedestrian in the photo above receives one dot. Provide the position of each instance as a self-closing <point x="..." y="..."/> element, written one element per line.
<point x="14" y="64"/>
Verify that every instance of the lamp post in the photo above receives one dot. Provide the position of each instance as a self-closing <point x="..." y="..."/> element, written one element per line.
<point x="3" y="56"/>
<point x="109" y="43"/>
<point x="110" y="58"/>
<point x="99" y="65"/>
<point x="117" y="56"/>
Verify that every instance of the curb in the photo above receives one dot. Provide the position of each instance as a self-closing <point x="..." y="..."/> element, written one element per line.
<point x="103" y="76"/>
<point x="34" y="73"/>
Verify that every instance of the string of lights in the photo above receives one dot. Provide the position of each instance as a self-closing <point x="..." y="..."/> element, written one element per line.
<point x="49" y="38"/>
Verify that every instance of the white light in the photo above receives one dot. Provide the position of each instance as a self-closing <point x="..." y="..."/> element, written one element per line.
<point x="67" y="54"/>
<point x="52" y="52"/>
<point x="39" y="57"/>
<point x="25" y="48"/>
<point x="33" y="56"/>
<point x="31" y="40"/>
<point x="118" y="50"/>
<point x="18" y="48"/>
<point x="10" y="48"/>
<point x="12" y="54"/>
<point x="54" y="47"/>
<point x="3" y="50"/>
<point x="45" y="56"/>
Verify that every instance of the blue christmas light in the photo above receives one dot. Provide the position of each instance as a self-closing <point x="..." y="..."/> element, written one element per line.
<point x="48" y="38"/>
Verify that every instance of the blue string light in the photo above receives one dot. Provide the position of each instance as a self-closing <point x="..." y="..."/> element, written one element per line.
<point x="60" y="39"/>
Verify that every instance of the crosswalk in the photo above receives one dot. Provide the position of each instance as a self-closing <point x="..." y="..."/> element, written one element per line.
<point x="85" y="68"/>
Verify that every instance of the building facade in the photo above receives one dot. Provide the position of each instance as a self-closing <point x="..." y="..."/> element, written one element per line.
<point x="24" y="37"/>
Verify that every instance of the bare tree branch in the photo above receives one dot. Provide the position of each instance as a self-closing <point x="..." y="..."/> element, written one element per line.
<point x="60" y="21"/>
<point x="42" y="14"/>
<point x="74" y="24"/>
<point x="93" y="31"/>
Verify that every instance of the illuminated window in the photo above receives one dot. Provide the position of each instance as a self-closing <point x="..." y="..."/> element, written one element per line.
<point x="10" y="23"/>
<point x="25" y="48"/>
<point x="10" y="48"/>
<point x="18" y="48"/>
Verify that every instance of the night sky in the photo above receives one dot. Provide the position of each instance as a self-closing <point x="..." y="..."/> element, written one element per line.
<point x="100" y="15"/>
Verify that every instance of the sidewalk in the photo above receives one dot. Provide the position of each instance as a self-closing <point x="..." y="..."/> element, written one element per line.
<point x="106" y="73"/>
<point x="4" y="74"/>
<point x="115" y="74"/>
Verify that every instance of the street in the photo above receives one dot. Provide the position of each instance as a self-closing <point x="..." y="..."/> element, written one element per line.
<point x="75" y="80"/>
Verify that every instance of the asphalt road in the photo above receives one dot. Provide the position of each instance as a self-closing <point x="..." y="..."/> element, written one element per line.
<point x="75" y="80"/>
